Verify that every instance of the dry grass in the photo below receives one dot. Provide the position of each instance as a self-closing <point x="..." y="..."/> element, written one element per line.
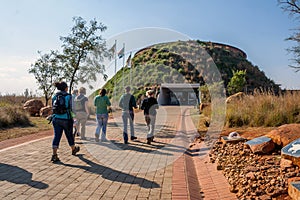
<point x="15" y="122"/>
<point x="12" y="116"/>
<point x="13" y="100"/>
<point x="255" y="115"/>
<point x="265" y="110"/>
<point x="258" y="110"/>
<point x="245" y="131"/>
<point x="38" y="124"/>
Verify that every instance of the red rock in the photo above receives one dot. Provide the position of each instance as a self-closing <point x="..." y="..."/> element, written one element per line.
<point x="294" y="179"/>
<point x="291" y="152"/>
<point x="33" y="106"/>
<point x="261" y="144"/>
<point x="285" y="134"/>
<point x="251" y="176"/>
<point x="293" y="190"/>
<point x="251" y="169"/>
<point x="285" y="163"/>
<point x="45" y="111"/>
<point x="235" y="97"/>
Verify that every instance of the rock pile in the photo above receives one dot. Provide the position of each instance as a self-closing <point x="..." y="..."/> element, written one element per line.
<point x="253" y="176"/>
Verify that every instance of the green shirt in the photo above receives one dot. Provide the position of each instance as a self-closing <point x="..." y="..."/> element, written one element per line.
<point x="101" y="103"/>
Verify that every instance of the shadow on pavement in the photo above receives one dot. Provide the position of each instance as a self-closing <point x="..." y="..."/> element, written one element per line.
<point x="111" y="174"/>
<point x="169" y="146"/>
<point x="134" y="146"/>
<point x="17" y="175"/>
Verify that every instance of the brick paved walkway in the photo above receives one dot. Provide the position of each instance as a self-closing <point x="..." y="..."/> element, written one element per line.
<point x="112" y="170"/>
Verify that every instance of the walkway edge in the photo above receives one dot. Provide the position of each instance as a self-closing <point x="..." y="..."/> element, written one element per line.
<point x="211" y="182"/>
<point x="185" y="182"/>
<point x="15" y="142"/>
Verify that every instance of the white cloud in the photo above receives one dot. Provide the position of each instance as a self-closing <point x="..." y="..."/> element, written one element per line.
<point x="17" y="85"/>
<point x="7" y="73"/>
<point x="14" y="75"/>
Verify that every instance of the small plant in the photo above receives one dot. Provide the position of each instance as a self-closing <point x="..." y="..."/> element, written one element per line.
<point x="237" y="82"/>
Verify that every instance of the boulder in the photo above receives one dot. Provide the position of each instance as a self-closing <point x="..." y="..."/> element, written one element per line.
<point x="294" y="190"/>
<point x="33" y="106"/>
<point x="202" y="106"/>
<point x="234" y="97"/>
<point x="294" y="179"/>
<point x="285" y="134"/>
<point x="261" y="144"/>
<point x="285" y="163"/>
<point x="292" y="152"/>
<point x="46" y="111"/>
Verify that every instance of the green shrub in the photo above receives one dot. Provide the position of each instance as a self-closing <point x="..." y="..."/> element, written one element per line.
<point x="237" y="82"/>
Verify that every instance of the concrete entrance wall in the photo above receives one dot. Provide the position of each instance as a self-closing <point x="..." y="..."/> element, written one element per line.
<point x="179" y="94"/>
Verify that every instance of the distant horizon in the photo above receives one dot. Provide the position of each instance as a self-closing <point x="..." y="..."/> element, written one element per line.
<point x="120" y="65"/>
<point x="259" y="28"/>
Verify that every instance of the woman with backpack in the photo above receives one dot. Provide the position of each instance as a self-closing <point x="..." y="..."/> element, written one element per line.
<point x="82" y="111"/>
<point x="62" y="119"/>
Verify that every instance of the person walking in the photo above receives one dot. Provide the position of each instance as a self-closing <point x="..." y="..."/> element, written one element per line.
<point x="62" y="119"/>
<point x="74" y="95"/>
<point x="127" y="103"/>
<point x="81" y="112"/>
<point x="149" y="105"/>
<point x="101" y="102"/>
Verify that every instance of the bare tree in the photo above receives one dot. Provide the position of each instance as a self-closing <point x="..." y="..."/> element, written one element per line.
<point x="293" y="8"/>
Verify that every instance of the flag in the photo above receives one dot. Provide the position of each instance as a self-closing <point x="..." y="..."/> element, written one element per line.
<point x="113" y="49"/>
<point x="121" y="53"/>
<point x="128" y="61"/>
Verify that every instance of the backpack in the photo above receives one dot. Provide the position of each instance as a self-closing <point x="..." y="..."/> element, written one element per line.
<point x="78" y="106"/>
<point x="59" y="105"/>
<point x="144" y="104"/>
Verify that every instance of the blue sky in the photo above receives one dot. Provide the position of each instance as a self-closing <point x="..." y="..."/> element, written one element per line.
<point x="257" y="27"/>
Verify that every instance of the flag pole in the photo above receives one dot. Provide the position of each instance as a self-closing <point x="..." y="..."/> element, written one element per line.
<point x="115" y="85"/>
<point x="123" y="65"/>
<point x="130" y="68"/>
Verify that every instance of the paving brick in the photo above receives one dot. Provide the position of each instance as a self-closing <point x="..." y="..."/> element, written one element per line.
<point x="111" y="170"/>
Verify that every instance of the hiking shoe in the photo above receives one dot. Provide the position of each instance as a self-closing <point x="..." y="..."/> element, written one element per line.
<point x="126" y="142"/>
<point x="96" y="138"/>
<point x="148" y="140"/>
<point x="133" y="137"/>
<point x="55" y="158"/>
<point x="152" y="139"/>
<point x="76" y="149"/>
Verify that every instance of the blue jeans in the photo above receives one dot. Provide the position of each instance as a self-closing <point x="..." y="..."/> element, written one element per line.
<point x="102" y="124"/>
<point x="127" y="115"/>
<point x="59" y="126"/>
